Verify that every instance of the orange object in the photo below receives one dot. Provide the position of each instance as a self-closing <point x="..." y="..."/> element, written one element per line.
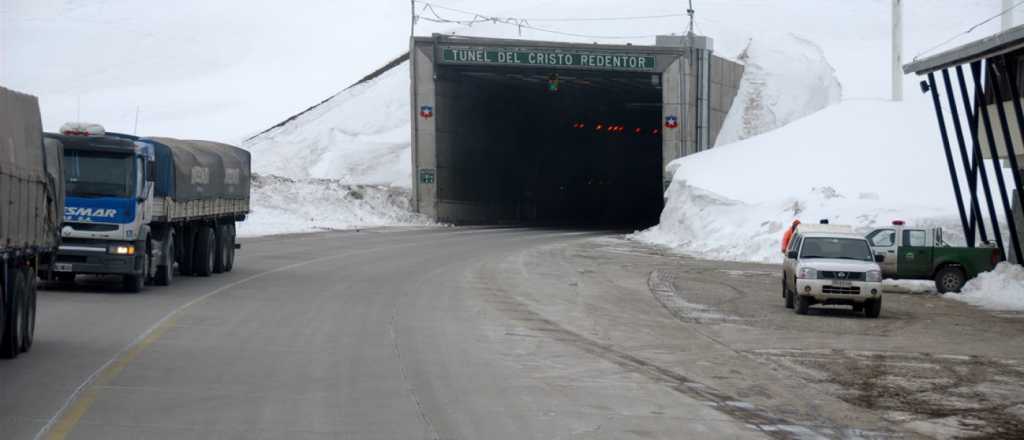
<point x="789" y="235"/>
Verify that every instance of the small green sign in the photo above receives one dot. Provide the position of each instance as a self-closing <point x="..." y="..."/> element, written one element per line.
<point x="519" y="56"/>
<point x="427" y="176"/>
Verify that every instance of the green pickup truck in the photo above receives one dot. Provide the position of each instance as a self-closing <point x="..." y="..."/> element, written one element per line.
<point x="920" y="254"/>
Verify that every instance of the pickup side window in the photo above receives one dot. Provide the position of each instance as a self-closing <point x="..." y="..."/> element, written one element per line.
<point x="914" y="238"/>
<point x="794" y="244"/>
<point x="883" y="238"/>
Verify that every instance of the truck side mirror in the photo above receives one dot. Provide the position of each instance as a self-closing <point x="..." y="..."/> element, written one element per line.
<point x="879" y="258"/>
<point x="791" y="254"/>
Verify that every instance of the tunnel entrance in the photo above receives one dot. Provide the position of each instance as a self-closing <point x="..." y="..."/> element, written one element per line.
<point x="528" y="132"/>
<point x="548" y="146"/>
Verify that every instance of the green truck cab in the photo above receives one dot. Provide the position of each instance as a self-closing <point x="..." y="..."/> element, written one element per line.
<point x="921" y="254"/>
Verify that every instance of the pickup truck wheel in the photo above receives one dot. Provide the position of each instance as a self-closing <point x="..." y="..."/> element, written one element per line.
<point x="803" y="304"/>
<point x="202" y="264"/>
<point x="950" y="279"/>
<point x="10" y="343"/>
<point x="165" y="273"/>
<point x="873" y="307"/>
<point x="789" y="299"/>
<point x="28" y="323"/>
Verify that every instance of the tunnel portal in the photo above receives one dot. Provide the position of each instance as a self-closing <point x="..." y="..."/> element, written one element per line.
<point x="556" y="134"/>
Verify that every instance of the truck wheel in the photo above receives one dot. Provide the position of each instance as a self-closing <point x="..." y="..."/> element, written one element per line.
<point x="950" y="279"/>
<point x="873" y="308"/>
<point x="230" y="263"/>
<point x="789" y="299"/>
<point x="165" y="273"/>
<point x="10" y="343"/>
<point x="803" y="303"/>
<point x="28" y="331"/>
<point x="220" y="257"/>
<point x="202" y="262"/>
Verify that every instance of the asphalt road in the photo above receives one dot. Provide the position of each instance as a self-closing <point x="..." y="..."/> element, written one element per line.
<point x="494" y="334"/>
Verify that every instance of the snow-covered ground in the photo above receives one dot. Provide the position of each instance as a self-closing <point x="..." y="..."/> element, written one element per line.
<point x="282" y="206"/>
<point x="1001" y="289"/>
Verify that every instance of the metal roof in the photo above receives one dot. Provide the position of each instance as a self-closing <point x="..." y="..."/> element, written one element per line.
<point x="1003" y="42"/>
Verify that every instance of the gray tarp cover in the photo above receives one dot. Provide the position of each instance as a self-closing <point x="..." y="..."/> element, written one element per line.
<point x="30" y="208"/>
<point x="207" y="170"/>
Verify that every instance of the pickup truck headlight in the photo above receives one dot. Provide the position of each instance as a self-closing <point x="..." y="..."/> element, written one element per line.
<point x="807" y="273"/>
<point x="873" y="276"/>
<point x="121" y="250"/>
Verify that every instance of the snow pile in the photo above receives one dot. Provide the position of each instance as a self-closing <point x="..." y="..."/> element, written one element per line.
<point x="360" y="135"/>
<point x="282" y="205"/>
<point x="1001" y="289"/>
<point x="785" y="78"/>
<point x="821" y="166"/>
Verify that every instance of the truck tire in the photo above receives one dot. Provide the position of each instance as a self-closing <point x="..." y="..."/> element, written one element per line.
<point x="10" y="342"/>
<point x="789" y="298"/>
<point x="136" y="282"/>
<point x="803" y="304"/>
<point x="186" y="250"/>
<point x="230" y="264"/>
<point x="873" y="308"/>
<point x="950" y="279"/>
<point x="203" y="259"/>
<point x="28" y="332"/>
<point x="165" y="273"/>
<point x="220" y="257"/>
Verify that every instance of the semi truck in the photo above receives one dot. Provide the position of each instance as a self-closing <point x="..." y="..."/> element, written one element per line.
<point x="31" y="205"/>
<point x="145" y="208"/>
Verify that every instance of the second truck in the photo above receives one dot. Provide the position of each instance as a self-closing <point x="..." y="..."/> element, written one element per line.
<point x="142" y="207"/>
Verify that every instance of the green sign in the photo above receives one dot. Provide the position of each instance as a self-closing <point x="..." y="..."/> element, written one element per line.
<point x="518" y="56"/>
<point x="427" y="176"/>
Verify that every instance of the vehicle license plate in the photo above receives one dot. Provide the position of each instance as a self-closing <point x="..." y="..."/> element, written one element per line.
<point x="842" y="283"/>
<point x="62" y="267"/>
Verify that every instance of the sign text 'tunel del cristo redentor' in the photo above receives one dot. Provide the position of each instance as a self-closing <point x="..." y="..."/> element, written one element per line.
<point x="546" y="58"/>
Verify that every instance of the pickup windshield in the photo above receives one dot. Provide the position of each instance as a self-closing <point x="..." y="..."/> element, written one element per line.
<point x="838" y="248"/>
<point x="98" y="174"/>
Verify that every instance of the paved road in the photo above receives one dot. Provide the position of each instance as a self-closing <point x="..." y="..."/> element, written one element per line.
<point x="491" y="334"/>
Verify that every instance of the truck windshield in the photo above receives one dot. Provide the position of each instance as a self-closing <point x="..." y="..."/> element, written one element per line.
<point x="98" y="174"/>
<point x="839" y="248"/>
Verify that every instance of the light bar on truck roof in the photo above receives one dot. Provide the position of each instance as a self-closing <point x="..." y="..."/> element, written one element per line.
<point x="82" y="129"/>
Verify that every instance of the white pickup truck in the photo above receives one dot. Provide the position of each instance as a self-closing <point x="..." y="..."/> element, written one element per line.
<point x="831" y="264"/>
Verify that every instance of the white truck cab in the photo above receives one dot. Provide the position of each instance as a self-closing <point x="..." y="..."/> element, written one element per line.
<point x="831" y="264"/>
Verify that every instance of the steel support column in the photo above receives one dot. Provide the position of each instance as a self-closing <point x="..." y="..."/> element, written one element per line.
<point x="949" y="152"/>
<point x="976" y="73"/>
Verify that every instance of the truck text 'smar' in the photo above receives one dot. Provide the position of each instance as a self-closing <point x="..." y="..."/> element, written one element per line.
<point x="139" y="207"/>
<point x="31" y="201"/>
<point x="921" y="254"/>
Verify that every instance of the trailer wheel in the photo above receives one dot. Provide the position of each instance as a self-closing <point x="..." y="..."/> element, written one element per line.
<point x="220" y="257"/>
<point x="165" y="273"/>
<point x="10" y="343"/>
<point x="28" y="331"/>
<point x="187" y="250"/>
<point x="202" y="262"/>
<point x="230" y="263"/>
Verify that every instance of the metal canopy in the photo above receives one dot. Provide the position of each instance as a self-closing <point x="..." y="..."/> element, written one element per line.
<point x="1003" y="42"/>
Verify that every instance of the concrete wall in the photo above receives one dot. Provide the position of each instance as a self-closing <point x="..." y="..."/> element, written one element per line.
<point x="424" y="140"/>
<point x="725" y="84"/>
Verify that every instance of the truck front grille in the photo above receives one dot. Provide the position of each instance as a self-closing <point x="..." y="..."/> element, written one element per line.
<point x="849" y="276"/>
<point x="833" y="290"/>
<point x="92" y="227"/>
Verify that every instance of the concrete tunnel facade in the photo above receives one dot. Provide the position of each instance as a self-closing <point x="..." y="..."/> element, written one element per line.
<point x="532" y="132"/>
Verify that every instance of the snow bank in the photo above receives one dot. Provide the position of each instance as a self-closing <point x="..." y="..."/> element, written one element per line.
<point x="701" y="223"/>
<point x="785" y="78"/>
<point x="359" y="136"/>
<point x="282" y="205"/>
<point x="1002" y="289"/>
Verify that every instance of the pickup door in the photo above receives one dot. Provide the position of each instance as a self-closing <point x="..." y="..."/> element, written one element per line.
<point x="883" y="242"/>
<point x="915" y="256"/>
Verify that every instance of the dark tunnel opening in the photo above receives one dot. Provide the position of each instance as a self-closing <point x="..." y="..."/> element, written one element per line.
<point x="525" y="146"/>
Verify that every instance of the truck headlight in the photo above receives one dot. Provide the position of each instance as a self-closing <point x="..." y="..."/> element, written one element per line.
<point x="807" y="273"/>
<point x="873" y="276"/>
<point x="121" y="250"/>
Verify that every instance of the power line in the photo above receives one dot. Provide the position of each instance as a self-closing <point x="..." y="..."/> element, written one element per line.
<point x="566" y="20"/>
<point x="969" y="30"/>
<point x="523" y="23"/>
